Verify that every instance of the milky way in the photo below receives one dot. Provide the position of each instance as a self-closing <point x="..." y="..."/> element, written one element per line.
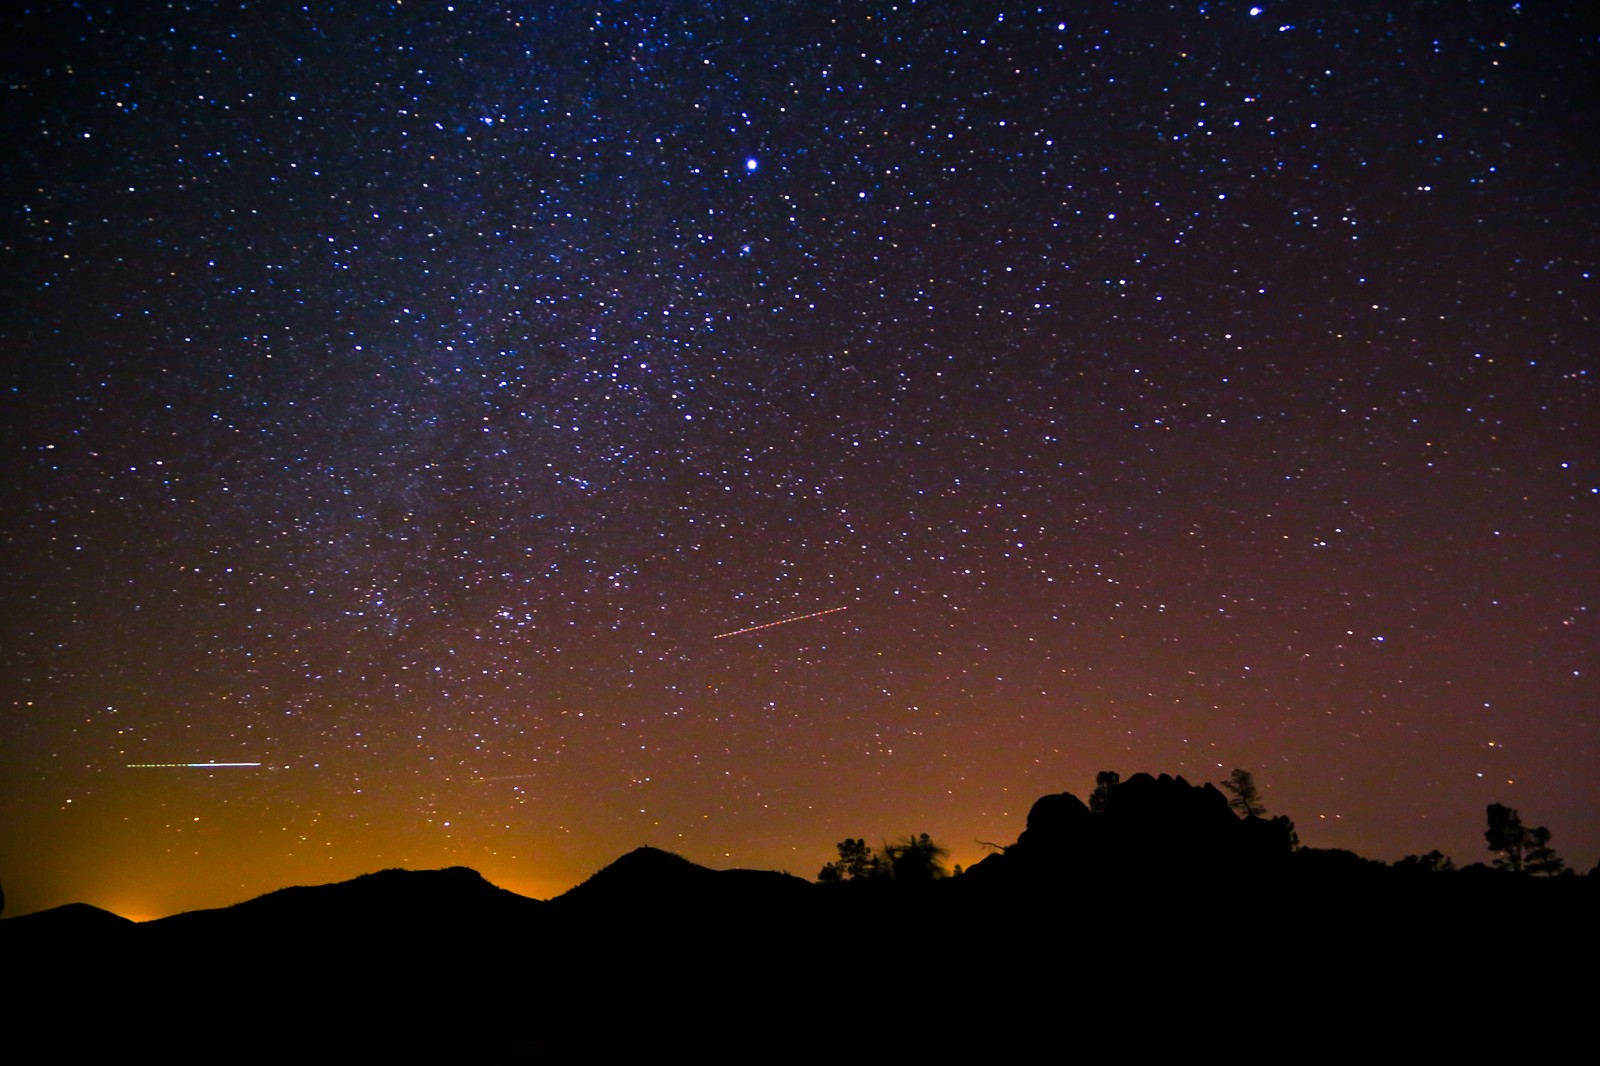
<point x="404" y="397"/>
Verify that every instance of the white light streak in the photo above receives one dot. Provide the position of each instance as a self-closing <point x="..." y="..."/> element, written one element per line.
<point x="779" y="622"/>
<point x="188" y="765"/>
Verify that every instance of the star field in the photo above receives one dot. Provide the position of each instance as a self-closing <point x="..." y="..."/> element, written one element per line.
<point x="406" y="398"/>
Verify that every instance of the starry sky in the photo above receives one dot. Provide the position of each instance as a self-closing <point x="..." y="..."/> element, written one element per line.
<point x="414" y="400"/>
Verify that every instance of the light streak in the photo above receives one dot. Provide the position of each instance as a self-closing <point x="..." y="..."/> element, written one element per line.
<point x="779" y="622"/>
<point x="187" y="765"/>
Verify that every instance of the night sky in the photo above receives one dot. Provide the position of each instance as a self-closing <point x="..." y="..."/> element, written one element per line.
<point x="415" y="399"/>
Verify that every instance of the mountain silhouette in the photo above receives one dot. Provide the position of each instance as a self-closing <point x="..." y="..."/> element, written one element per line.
<point x="431" y="905"/>
<point x="60" y="927"/>
<point x="1158" y="915"/>
<point x="649" y="880"/>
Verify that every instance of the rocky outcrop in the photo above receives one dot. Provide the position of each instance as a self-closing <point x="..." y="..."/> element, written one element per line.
<point x="1149" y="827"/>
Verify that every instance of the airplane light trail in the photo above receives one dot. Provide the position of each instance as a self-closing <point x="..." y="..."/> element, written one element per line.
<point x="779" y="622"/>
<point x="186" y="765"/>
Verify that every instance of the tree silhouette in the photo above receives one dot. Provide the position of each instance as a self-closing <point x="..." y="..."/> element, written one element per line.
<point x="911" y="860"/>
<point x="1518" y="848"/>
<point x="1245" y="798"/>
<point x="914" y="860"/>
<point x="856" y="862"/>
<point x="1104" y="782"/>
<point x="1434" y="862"/>
<point x="1541" y="858"/>
<point x="1507" y="838"/>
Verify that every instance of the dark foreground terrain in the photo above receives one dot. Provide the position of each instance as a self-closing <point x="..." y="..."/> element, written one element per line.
<point x="1161" y="923"/>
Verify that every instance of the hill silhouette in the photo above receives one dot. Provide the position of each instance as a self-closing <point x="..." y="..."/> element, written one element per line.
<point x="430" y="905"/>
<point x="1160" y="912"/>
<point x="650" y="880"/>
<point x="60" y="927"/>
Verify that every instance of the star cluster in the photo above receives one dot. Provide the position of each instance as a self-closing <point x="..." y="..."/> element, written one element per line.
<point x="406" y="396"/>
